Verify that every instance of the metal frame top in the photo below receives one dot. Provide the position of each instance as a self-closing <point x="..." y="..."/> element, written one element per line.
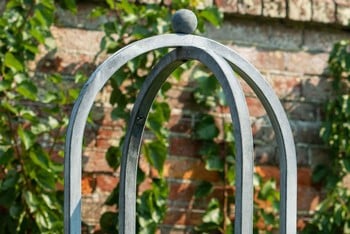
<point x="223" y="62"/>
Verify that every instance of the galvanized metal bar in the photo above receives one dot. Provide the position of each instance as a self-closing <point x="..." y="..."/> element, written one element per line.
<point x="240" y="118"/>
<point x="97" y="80"/>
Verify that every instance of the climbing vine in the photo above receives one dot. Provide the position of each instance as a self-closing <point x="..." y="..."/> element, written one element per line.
<point x="33" y="115"/>
<point x="333" y="214"/>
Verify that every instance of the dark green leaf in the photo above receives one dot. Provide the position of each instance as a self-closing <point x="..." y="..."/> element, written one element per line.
<point x="28" y="90"/>
<point x="113" y="157"/>
<point x="213" y="15"/>
<point x="27" y="138"/>
<point x="108" y="222"/>
<point x="156" y="153"/>
<point x="12" y="62"/>
<point x="206" y="129"/>
<point x="203" y="189"/>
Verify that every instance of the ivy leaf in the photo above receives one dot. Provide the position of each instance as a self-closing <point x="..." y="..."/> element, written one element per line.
<point x="44" y="179"/>
<point x="214" y="163"/>
<point x="205" y="129"/>
<point x="108" y="222"/>
<point x="213" y="214"/>
<point x="27" y="138"/>
<point x="12" y="62"/>
<point x="28" y="90"/>
<point x="213" y="15"/>
<point x="40" y="158"/>
<point x="203" y="189"/>
<point x="156" y="153"/>
<point x="113" y="157"/>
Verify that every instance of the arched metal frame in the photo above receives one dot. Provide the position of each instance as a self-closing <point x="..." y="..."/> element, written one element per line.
<point x="215" y="56"/>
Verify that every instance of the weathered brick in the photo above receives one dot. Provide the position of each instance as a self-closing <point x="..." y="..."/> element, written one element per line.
<point x="229" y="6"/>
<point x="183" y="217"/>
<point x="94" y="161"/>
<point x="300" y="10"/>
<point x="305" y="63"/>
<point x="188" y="169"/>
<point x="302" y="152"/>
<point x="343" y="12"/>
<point x="267" y="35"/>
<point x="106" y="182"/>
<point x="264" y="154"/>
<point x="316" y="40"/>
<point x="306" y="132"/>
<point x="77" y="40"/>
<point x="180" y="123"/>
<point x="184" y="147"/>
<point x="323" y="11"/>
<point x="181" y="191"/>
<point x="181" y="99"/>
<point x="256" y="109"/>
<point x="250" y="7"/>
<point x="305" y="111"/>
<point x="88" y="185"/>
<point x="286" y="86"/>
<point x="316" y="89"/>
<point x="274" y="8"/>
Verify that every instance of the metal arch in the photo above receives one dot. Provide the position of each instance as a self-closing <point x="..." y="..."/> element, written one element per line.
<point x="82" y="107"/>
<point x="240" y="118"/>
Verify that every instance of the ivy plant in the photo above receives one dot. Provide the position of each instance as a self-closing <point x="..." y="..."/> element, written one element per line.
<point x="333" y="214"/>
<point x="218" y="154"/>
<point x="33" y="109"/>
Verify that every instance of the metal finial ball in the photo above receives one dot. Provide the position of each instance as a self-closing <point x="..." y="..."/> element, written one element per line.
<point x="184" y="21"/>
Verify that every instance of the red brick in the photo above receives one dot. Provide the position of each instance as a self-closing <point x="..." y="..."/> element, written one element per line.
<point x="306" y="63"/>
<point x="94" y="161"/>
<point x="229" y="6"/>
<point x="286" y="87"/>
<point x="106" y="182"/>
<point x="304" y="111"/>
<point x="87" y="185"/>
<point x="181" y="191"/>
<point x="179" y="217"/>
<point x="256" y="109"/>
<point x="180" y="123"/>
<point x="188" y="169"/>
<point x="184" y="147"/>
<point x="316" y="89"/>
<point x="181" y="99"/>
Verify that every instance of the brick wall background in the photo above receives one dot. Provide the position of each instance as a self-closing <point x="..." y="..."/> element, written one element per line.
<point x="287" y="40"/>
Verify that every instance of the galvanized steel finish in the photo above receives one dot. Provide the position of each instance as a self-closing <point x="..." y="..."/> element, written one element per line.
<point x="222" y="61"/>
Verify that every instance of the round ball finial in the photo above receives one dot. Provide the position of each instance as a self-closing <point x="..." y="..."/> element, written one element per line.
<point x="184" y="21"/>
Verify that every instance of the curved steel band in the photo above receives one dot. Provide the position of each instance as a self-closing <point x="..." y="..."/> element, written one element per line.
<point x="240" y="118"/>
<point x="82" y="107"/>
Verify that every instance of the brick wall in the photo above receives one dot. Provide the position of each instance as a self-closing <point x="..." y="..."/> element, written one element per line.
<point x="288" y="41"/>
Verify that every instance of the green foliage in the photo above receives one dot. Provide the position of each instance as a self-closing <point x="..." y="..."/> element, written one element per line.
<point x="218" y="154"/>
<point x="32" y="122"/>
<point x="333" y="214"/>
